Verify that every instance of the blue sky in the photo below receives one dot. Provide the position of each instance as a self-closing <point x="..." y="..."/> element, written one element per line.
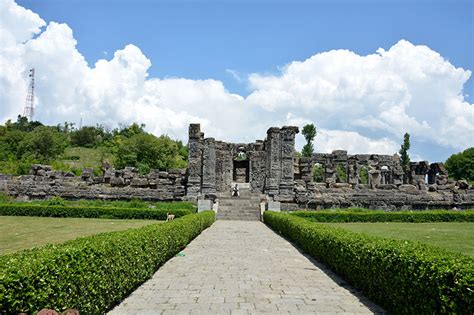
<point x="364" y="72"/>
<point x="201" y="39"/>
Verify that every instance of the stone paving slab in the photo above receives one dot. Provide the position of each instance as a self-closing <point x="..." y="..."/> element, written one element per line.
<point x="237" y="267"/>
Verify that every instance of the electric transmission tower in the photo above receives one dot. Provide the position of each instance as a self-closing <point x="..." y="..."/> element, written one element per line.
<point x="29" y="110"/>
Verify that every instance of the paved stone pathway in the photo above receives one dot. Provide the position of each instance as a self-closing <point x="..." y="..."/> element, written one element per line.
<point x="237" y="267"/>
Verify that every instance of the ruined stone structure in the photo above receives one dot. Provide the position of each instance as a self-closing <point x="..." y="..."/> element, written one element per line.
<point x="271" y="168"/>
<point x="267" y="170"/>
<point x="43" y="182"/>
<point x="267" y="166"/>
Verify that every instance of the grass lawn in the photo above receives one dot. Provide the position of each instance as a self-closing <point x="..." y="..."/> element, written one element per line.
<point x="453" y="236"/>
<point x="18" y="233"/>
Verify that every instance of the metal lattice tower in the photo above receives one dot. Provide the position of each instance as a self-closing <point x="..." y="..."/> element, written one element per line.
<point x="29" y="110"/>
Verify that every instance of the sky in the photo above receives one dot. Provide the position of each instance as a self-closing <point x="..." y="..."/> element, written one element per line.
<point x="364" y="72"/>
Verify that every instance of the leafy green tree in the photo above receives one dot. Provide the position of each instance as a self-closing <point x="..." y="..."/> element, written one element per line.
<point x="85" y="137"/>
<point x="404" y="157"/>
<point x="145" y="151"/>
<point x="318" y="173"/>
<point x="43" y="143"/>
<point x="183" y="150"/>
<point x="309" y="132"/>
<point x="341" y="174"/>
<point x="22" y="124"/>
<point x="364" y="175"/>
<point x="461" y="165"/>
<point x="130" y="131"/>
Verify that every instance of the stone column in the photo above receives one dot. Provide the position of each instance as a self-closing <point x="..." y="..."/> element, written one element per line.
<point x="209" y="167"/>
<point x="287" y="178"/>
<point x="273" y="162"/>
<point x="195" y="147"/>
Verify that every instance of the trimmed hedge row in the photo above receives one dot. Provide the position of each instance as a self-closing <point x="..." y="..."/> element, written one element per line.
<point x="402" y="276"/>
<point x="92" y="274"/>
<point x="88" y="212"/>
<point x="382" y="216"/>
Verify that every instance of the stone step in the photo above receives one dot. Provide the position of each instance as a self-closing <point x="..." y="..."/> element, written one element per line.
<point x="241" y="205"/>
<point x="236" y="217"/>
<point x="257" y="200"/>
<point x="243" y="213"/>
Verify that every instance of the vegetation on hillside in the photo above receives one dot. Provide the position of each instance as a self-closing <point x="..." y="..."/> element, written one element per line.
<point x="23" y="143"/>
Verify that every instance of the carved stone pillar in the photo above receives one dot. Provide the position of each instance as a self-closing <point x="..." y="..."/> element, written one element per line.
<point x="195" y="147"/>
<point x="273" y="162"/>
<point x="209" y="167"/>
<point x="287" y="179"/>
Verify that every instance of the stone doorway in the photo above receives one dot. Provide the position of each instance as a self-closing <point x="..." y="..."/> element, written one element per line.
<point x="241" y="171"/>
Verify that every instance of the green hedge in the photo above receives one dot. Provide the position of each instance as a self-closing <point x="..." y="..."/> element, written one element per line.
<point x="92" y="274"/>
<point x="402" y="276"/>
<point x="88" y="212"/>
<point x="382" y="216"/>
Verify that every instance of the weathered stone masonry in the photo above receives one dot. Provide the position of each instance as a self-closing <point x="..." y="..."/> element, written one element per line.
<point x="43" y="182"/>
<point x="271" y="169"/>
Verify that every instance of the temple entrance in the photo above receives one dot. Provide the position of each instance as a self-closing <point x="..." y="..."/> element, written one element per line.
<point x="241" y="171"/>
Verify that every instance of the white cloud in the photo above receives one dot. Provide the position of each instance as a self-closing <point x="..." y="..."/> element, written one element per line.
<point x="405" y="89"/>
<point x="359" y="103"/>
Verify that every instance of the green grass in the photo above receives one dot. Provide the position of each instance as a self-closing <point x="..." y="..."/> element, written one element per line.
<point x="76" y="158"/>
<point x="134" y="203"/>
<point x="453" y="236"/>
<point x="18" y="233"/>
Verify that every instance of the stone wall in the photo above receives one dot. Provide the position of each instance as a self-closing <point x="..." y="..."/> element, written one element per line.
<point x="425" y="186"/>
<point x="43" y="182"/>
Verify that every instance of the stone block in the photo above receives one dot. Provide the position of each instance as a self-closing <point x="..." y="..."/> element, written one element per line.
<point x="204" y="204"/>
<point x="274" y="206"/>
<point x="139" y="182"/>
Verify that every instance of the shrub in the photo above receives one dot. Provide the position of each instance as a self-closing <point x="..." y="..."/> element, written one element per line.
<point x="24" y="209"/>
<point x="56" y="201"/>
<point x="176" y="205"/>
<point x="404" y="277"/>
<point x="4" y="197"/>
<point x="92" y="274"/>
<point x="382" y="216"/>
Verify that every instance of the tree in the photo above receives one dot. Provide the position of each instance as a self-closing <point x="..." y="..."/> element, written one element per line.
<point x="318" y="173"/>
<point x="145" y="151"/>
<point x="43" y="144"/>
<point x="309" y="133"/>
<point x="404" y="157"/>
<point x="461" y="165"/>
<point x="85" y="137"/>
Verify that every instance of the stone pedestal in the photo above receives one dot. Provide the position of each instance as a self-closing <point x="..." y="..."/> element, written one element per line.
<point x="274" y="206"/>
<point x="204" y="205"/>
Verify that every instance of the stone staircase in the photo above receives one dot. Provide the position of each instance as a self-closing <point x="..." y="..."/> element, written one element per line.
<point x="243" y="208"/>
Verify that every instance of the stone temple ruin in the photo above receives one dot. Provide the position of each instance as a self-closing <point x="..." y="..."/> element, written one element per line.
<point x="267" y="171"/>
<point x="272" y="169"/>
